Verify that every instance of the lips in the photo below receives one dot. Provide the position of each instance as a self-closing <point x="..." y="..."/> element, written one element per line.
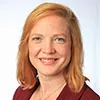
<point x="48" y="61"/>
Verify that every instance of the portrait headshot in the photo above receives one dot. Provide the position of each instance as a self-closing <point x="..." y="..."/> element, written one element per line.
<point x="50" y="57"/>
<point x="54" y="50"/>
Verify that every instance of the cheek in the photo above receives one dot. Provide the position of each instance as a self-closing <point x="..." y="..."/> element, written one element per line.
<point x="64" y="50"/>
<point x="33" y="50"/>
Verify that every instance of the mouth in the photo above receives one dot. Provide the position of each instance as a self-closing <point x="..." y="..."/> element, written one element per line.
<point x="48" y="61"/>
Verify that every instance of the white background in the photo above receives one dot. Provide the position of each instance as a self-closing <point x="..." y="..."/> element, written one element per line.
<point x="12" y="17"/>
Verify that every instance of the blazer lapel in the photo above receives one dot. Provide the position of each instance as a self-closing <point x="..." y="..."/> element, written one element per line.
<point x="67" y="94"/>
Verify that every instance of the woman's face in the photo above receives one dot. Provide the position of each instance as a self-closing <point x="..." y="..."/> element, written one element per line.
<point x="49" y="45"/>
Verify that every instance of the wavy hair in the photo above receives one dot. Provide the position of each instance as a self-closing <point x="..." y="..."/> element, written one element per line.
<point x="26" y="73"/>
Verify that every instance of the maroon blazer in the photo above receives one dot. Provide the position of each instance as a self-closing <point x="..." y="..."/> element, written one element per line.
<point x="85" y="94"/>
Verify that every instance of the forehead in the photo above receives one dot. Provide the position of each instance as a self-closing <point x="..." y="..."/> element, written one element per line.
<point x="51" y="22"/>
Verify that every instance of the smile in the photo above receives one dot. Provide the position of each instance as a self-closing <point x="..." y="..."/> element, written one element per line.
<point x="48" y="61"/>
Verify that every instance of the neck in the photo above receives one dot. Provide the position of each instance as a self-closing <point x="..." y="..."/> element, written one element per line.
<point x="50" y="84"/>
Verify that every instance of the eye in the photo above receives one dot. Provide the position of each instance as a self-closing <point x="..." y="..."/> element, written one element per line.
<point x="60" y="40"/>
<point x="36" y="39"/>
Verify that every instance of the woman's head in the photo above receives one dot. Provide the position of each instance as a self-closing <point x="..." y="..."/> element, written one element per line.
<point x="50" y="46"/>
<point x="26" y="73"/>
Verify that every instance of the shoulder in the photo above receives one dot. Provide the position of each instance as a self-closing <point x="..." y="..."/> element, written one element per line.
<point x="85" y="94"/>
<point x="89" y="94"/>
<point x="22" y="94"/>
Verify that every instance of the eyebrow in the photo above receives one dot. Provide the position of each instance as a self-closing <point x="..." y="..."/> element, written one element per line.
<point x="34" y="34"/>
<point x="55" y="34"/>
<point x="60" y="35"/>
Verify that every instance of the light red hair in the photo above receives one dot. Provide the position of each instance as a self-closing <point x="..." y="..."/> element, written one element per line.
<point x="26" y="73"/>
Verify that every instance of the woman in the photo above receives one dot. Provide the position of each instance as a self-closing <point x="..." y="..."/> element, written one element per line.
<point x="50" y="57"/>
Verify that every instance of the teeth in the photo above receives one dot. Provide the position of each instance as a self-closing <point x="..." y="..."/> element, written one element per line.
<point x="48" y="60"/>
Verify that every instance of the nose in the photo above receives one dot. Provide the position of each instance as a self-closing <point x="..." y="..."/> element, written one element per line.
<point x="48" y="47"/>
